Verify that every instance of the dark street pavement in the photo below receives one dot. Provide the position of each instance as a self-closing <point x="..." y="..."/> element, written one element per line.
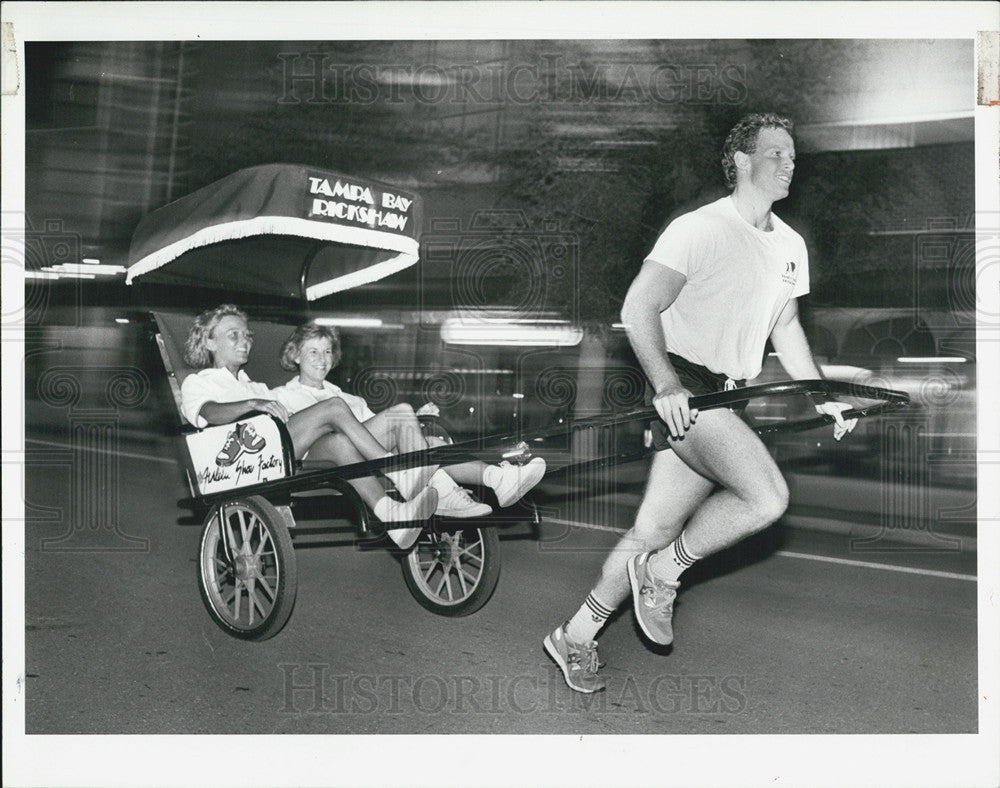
<point x="771" y="636"/>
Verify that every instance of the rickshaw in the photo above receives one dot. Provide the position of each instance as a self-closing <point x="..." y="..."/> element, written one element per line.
<point x="303" y="234"/>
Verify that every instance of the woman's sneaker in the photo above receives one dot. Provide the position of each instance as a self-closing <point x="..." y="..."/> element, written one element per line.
<point x="578" y="661"/>
<point x="418" y="508"/>
<point x="459" y="502"/>
<point x="516" y="480"/>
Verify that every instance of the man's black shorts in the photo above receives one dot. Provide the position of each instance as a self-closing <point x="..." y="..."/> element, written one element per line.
<point x="698" y="380"/>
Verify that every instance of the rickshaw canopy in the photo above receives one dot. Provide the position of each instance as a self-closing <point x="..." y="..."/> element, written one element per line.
<point x="279" y="229"/>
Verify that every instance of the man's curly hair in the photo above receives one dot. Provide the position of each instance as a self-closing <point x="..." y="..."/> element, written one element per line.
<point x="302" y="334"/>
<point x="743" y="138"/>
<point x="195" y="352"/>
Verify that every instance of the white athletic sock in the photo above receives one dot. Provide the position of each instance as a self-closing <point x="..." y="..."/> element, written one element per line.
<point x="405" y="480"/>
<point x="587" y="622"/>
<point x="383" y="509"/>
<point x="442" y="482"/>
<point x="672" y="560"/>
<point x="492" y="476"/>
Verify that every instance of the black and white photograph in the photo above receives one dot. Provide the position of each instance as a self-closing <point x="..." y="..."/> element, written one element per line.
<point x="460" y="394"/>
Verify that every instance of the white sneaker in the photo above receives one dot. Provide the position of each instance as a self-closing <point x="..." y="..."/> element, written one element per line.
<point x="405" y="538"/>
<point x="516" y="480"/>
<point x="461" y="503"/>
<point x="419" y="508"/>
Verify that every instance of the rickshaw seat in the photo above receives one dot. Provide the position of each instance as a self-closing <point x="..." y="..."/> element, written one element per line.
<point x="203" y="475"/>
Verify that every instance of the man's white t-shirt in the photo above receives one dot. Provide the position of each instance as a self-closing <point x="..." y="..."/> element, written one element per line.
<point x="217" y="385"/>
<point x="739" y="278"/>
<point x="295" y="396"/>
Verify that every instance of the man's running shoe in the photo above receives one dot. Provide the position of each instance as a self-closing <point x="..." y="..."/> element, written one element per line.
<point x="461" y="503"/>
<point x="231" y="449"/>
<point x="516" y="480"/>
<point x="653" y="600"/>
<point x="251" y="441"/>
<point x="578" y="661"/>
<point x="418" y="508"/>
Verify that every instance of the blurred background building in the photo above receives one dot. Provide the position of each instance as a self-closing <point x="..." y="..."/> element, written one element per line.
<point x="547" y="169"/>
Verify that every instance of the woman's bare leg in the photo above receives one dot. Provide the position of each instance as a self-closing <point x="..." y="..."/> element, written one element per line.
<point x="332" y="415"/>
<point x="340" y="451"/>
<point x="398" y="429"/>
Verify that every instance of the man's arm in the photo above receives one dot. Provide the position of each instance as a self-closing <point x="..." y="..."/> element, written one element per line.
<point x="653" y="290"/>
<point x="793" y="351"/>
<point x="791" y="345"/>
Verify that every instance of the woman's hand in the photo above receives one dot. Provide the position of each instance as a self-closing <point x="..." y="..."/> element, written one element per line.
<point x="430" y="409"/>
<point x="273" y="407"/>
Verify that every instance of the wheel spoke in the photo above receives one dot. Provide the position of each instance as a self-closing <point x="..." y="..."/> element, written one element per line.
<point x="262" y="582"/>
<point x="260" y="607"/>
<point x="251" y="601"/>
<point x="236" y="605"/>
<point x="467" y="556"/>
<point x="461" y="580"/>
<point x="243" y="525"/>
<point x="430" y="571"/>
<point x="471" y="577"/>
<point x="232" y="537"/>
<point x="475" y="548"/>
<point x="444" y="579"/>
<point x="265" y="540"/>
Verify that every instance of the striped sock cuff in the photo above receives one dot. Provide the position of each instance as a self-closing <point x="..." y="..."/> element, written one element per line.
<point x="597" y="608"/>
<point x="683" y="556"/>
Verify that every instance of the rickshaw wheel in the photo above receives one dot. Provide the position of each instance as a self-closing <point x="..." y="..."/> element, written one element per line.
<point x="252" y="597"/>
<point x="453" y="573"/>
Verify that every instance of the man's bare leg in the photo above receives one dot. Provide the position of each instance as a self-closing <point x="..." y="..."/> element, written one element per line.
<point x="753" y="495"/>
<point x="721" y="449"/>
<point x="673" y="492"/>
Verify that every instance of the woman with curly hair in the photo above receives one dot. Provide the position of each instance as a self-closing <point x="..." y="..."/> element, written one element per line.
<point x="220" y="342"/>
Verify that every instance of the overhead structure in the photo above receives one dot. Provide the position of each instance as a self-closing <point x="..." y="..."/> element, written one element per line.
<point x="283" y="229"/>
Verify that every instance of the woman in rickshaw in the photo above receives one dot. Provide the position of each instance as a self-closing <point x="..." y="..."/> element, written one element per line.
<point x="221" y="392"/>
<point x="313" y="350"/>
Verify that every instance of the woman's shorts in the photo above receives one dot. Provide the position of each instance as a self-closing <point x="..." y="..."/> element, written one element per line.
<point x="698" y="380"/>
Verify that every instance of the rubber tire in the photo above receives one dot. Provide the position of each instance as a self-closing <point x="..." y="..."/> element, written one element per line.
<point x="483" y="589"/>
<point x="284" y="554"/>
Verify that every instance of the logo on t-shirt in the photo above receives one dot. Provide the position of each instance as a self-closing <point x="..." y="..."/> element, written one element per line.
<point x="789" y="276"/>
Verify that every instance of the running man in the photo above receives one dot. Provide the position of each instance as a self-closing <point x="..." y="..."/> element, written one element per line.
<point x="718" y="282"/>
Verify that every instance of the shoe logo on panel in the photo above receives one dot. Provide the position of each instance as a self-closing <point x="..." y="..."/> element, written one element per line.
<point x="251" y="441"/>
<point x="242" y="438"/>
